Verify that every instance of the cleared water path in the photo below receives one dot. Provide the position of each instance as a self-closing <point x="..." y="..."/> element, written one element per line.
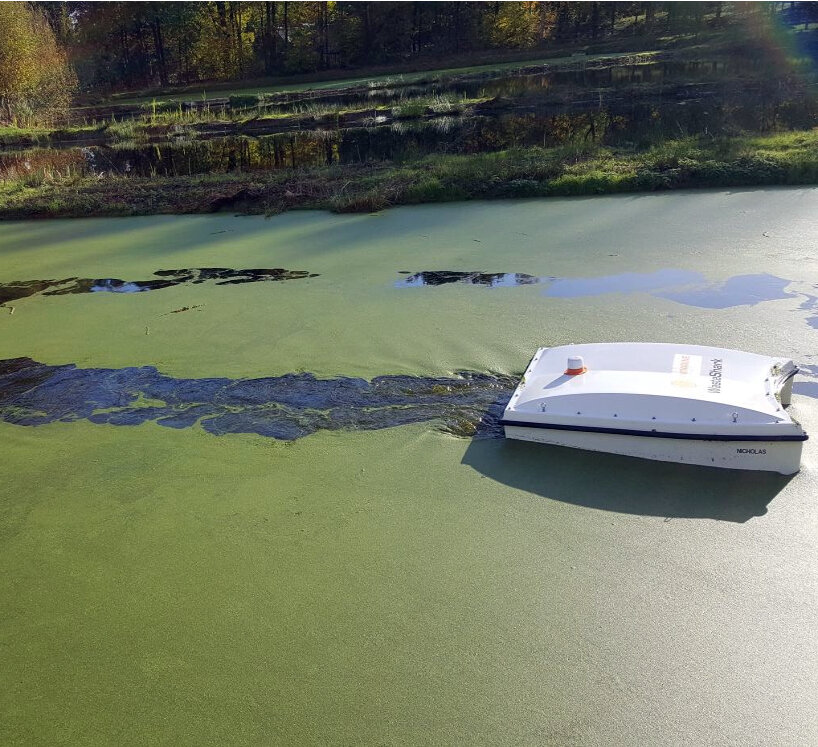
<point x="285" y="407"/>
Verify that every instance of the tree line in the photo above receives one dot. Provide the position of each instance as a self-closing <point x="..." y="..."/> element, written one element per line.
<point x="125" y="44"/>
<point x="108" y="46"/>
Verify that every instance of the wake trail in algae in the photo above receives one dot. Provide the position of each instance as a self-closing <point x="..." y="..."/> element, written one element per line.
<point x="284" y="407"/>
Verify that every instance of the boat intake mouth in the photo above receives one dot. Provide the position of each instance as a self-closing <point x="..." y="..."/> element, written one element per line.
<point x="576" y="366"/>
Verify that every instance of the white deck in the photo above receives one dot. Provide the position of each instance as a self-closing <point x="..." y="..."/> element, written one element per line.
<point x="681" y="403"/>
<point x="663" y="387"/>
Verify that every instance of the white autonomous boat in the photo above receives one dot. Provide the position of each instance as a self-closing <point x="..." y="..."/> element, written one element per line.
<point x="673" y="403"/>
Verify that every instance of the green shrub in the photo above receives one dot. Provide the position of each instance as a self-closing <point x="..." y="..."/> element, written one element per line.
<point x="409" y="110"/>
<point x="155" y="107"/>
<point x="431" y="189"/>
<point x="521" y="188"/>
<point x="243" y="102"/>
<point x="364" y="202"/>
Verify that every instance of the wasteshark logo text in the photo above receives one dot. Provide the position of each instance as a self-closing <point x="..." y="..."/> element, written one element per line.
<point x="715" y="376"/>
<point x="686" y="370"/>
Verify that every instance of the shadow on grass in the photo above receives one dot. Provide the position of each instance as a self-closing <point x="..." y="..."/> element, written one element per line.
<point x="625" y="484"/>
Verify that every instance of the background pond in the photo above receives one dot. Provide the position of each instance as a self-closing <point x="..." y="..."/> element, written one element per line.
<point x="617" y="122"/>
<point x="615" y="104"/>
<point x="178" y="581"/>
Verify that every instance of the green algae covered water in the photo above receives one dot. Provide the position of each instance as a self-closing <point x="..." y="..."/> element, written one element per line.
<point x="204" y="541"/>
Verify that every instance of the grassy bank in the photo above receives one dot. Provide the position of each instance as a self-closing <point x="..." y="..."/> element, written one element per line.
<point x="780" y="159"/>
<point x="409" y="73"/>
<point x="721" y="41"/>
<point x="192" y="124"/>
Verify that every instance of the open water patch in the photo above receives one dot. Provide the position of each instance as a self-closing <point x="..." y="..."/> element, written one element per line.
<point x="807" y="388"/>
<point x="625" y="282"/>
<point x="284" y="407"/>
<point x="687" y="287"/>
<point x="15" y="290"/>
<point x="447" y="277"/>
<point x="740" y="290"/>
<point x="683" y="286"/>
<point x="810" y="303"/>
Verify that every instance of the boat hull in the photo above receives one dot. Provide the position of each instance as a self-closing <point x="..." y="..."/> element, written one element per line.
<point x="758" y="455"/>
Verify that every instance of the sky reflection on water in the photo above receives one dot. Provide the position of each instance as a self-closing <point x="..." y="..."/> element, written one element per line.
<point x="683" y="286"/>
<point x="739" y="290"/>
<point x="625" y="282"/>
<point x="810" y="303"/>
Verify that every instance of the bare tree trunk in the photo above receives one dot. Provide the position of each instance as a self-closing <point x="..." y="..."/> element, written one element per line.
<point x="221" y="15"/>
<point x="650" y="14"/>
<point x="159" y="48"/>
<point x="323" y="34"/>
<point x="237" y="28"/>
<point x="367" y="34"/>
<point x="456" y="26"/>
<point x="269" y="38"/>
<point x="562" y="20"/>
<point x="123" y="41"/>
<point x="286" y="28"/>
<point x="417" y="18"/>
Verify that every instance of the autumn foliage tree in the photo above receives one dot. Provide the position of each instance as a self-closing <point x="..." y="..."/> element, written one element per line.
<point x="36" y="81"/>
<point x="121" y="45"/>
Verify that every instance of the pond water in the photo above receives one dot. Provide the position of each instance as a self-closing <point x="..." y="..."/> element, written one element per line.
<point x="284" y="516"/>
<point x="617" y="105"/>
<point x="683" y="286"/>
<point x="624" y="122"/>
<point x="493" y="80"/>
<point x="535" y="82"/>
<point x="165" y="279"/>
<point x="445" y="277"/>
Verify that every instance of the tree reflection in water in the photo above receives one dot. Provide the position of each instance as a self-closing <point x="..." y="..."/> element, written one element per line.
<point x="166" y="279"/>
